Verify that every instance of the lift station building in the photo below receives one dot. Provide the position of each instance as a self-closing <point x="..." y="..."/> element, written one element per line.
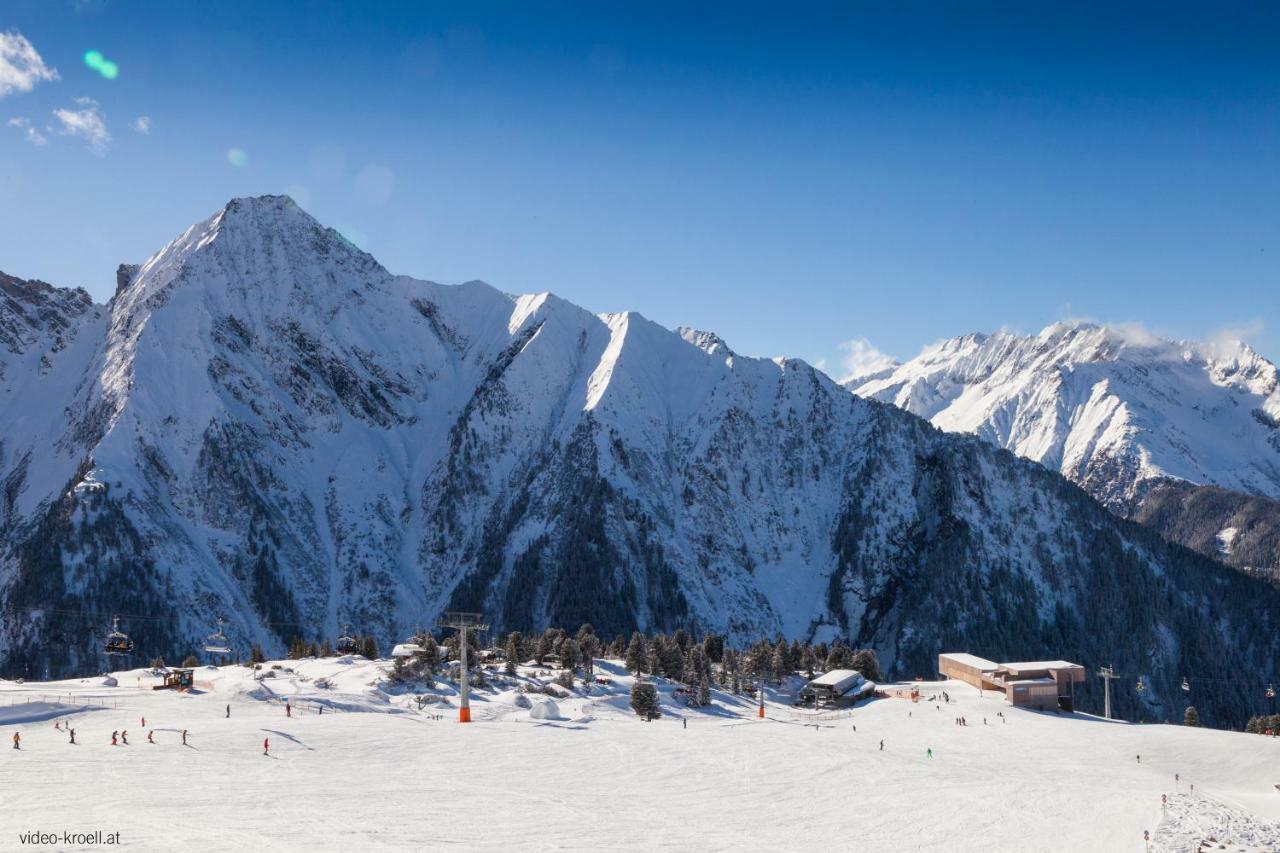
<point x="1045" y="684"/>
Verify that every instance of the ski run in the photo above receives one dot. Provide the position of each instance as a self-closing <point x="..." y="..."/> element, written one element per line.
<point x="357" y="762"/>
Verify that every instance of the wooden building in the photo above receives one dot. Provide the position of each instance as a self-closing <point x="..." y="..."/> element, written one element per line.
<point x="1048" y="684"/>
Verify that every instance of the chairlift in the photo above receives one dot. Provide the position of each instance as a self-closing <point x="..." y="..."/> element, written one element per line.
<point x="1271" y="691"/>
<point x="1186" y="685"/>
<point x="217" y="643"/>
<point x="118" y="642"/>
<point x="1140" y="686"/>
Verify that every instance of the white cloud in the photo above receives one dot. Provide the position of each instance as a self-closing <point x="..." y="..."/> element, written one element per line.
<point x="1227" y="342"/>
<point x="87" y="123"/>
<point x="142" y="124"/>
<point x="861" y="358"/>
<point x="21" y="66"/>
<point x="29" y="131"/>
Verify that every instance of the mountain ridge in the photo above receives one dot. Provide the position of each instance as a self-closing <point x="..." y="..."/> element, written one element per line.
<point x="267" y="426"/>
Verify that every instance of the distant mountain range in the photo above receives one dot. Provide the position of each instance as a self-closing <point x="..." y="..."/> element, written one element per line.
<point x="1157" y="430"/>
<point x="264" y="425"/>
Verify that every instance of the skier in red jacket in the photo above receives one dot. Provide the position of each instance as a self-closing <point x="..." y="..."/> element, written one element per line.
<point x="266" y="746"/>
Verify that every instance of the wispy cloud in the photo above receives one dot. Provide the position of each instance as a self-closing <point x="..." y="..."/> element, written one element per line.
<point x="87" y="122"/>
<point x="861" y="358"/>
<point x="142" y="124"/>
<point x="29" y="131"/>
<point x="21" y="66"/>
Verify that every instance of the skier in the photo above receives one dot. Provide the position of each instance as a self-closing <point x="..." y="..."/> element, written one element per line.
<point x="228" y="712"/>
<point x="184" y="737"/>
<point x="322" y="710"/>
<point x="882" y="744"/>
<point x="150" y="739"/>
<point x="124" y="737"/>
<point x="929" y="752"/>
<point x="1139" y="759"/>
<point x="17" y="739"/>
<point x="115" y="738"/>
<point x="73" y="735"/>
<point x="855" y="727"/>
<point x="288" y="709"/>
<point x="57" y="725"/>
<point x="143" y="723"/>
<point x="684" y="723"/>
<point x="266" y="746"/>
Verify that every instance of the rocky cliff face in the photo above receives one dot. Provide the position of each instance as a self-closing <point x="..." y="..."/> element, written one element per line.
<point x="265" y="425"/>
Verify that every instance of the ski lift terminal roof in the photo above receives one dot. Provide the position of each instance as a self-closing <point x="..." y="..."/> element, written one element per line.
<point x="972" y="660"/>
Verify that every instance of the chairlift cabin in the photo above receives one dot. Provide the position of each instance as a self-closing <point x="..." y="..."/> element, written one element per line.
<point x="217" y="643"/>
<point x="1186" y="685"/>
<point x="118" y="642"/>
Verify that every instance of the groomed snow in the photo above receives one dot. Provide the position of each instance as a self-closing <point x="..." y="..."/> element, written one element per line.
<point x="373" y="772"/>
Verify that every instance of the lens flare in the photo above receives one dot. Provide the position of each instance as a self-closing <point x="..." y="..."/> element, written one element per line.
<point x="95" y="60"/>
<point x="354" y="237"/>
<point x="237" y="157"/>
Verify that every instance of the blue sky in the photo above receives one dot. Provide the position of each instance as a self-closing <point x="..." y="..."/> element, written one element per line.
<point x="791" y="176"/>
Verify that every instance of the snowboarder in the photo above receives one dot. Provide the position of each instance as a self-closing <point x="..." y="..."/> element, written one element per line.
<point x="150" y="739"/>
<point x="124" y="737"/>
<point x="266" y="746"/>
<point x="184" y="737"/>
<point x="17" y="739"/>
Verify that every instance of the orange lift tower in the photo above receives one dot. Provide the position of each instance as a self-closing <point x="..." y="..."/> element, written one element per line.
<point x="463" y="622"/>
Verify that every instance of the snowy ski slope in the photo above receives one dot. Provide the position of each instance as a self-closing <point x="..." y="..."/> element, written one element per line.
<point x="375" y="773"/>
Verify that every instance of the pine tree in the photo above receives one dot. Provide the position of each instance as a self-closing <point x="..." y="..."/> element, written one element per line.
<point x="704" y="691"/>
<point x="644" y="700"/>
<point x="840" y="657"/>
<point x="570" y="656"/>
<point x="256" y="655"/>
<point x="713" y="647"/>
<point x="1192" y="717"/>
<point x="866" y="662"/>
<point x="190" y="661"/>
<point x="543" y="649"/>
<point x="369" y="647"/>
<point x="808" y="661"/>
<point x="779" y="661"/>
<point x="636" y="657"/>
<point x="430" y="652"/>
<point x="590" y="647"/>
<point x="513" y="649"/>
<point x="326" y="650"/>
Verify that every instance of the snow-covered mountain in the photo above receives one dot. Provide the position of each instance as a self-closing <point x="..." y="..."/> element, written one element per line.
<point x="265" y="425"/>
<point x="1115" y="410"/>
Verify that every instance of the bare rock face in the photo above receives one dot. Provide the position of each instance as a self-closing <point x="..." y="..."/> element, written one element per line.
<point x="265" y="425"/>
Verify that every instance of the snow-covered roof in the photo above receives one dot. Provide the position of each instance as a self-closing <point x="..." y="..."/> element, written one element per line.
<point x="1040" y="664"/>
<point x="1023" y="682"/>
<point x="834" y="678"/>
<point x="970" y="660"/>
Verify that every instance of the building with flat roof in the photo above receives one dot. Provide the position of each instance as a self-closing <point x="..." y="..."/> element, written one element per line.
<point x="1046" y="684"/>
